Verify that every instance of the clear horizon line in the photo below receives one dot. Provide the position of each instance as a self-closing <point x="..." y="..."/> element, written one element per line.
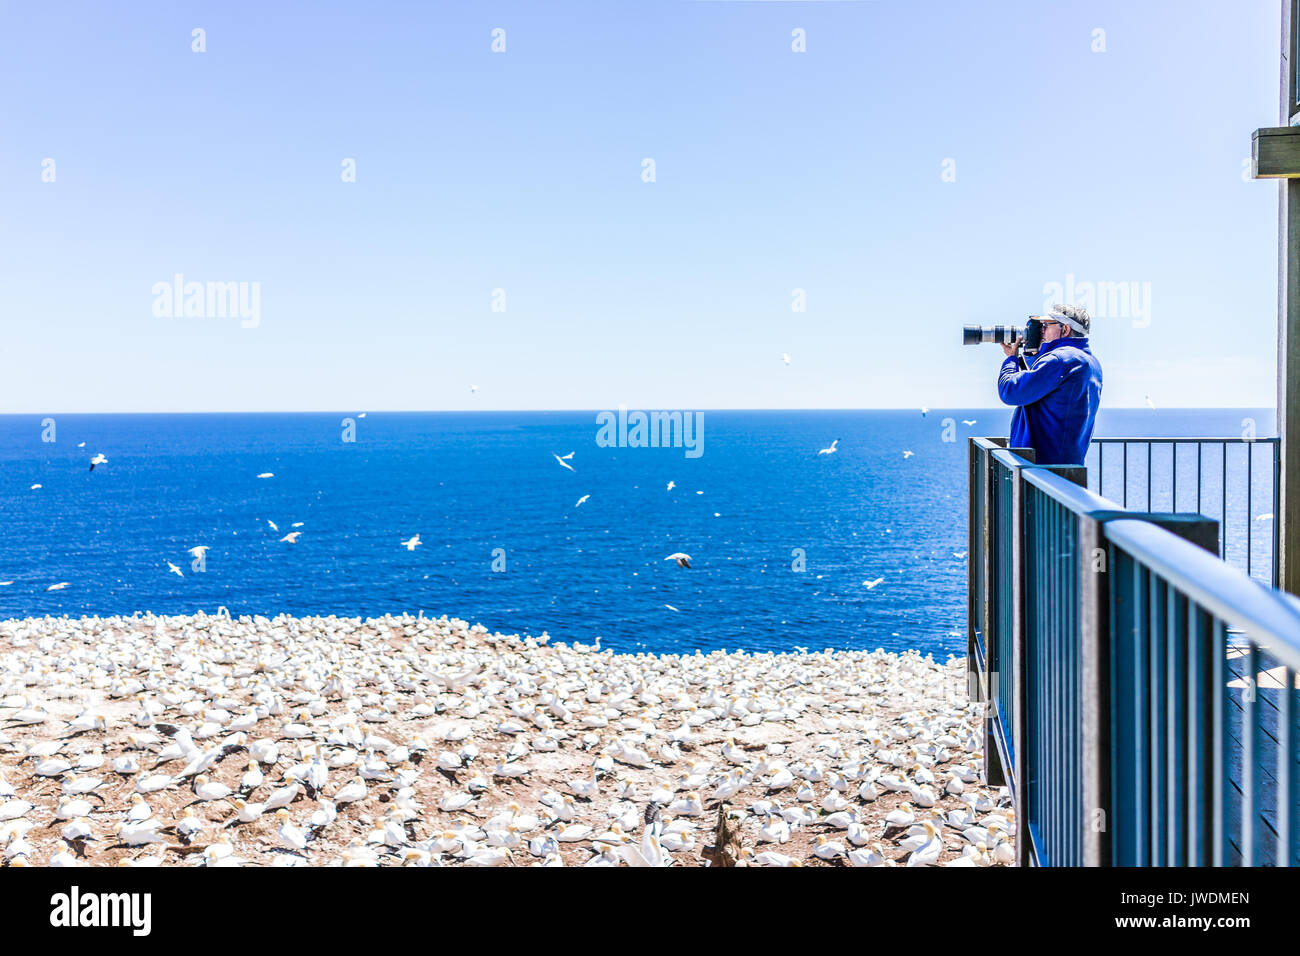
<point x="474" y="411"/>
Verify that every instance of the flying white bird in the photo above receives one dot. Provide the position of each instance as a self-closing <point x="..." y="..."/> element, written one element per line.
<point x="267" y="474"/>
<point x="60" y="586"/>
<point x="410" y="544"/>
<point x="99" y="459"/>
<point x="473" y="388"/>
<point x="296" y="524"/>
<point x="199" y="550"/>
<point x="562" y="460"/>
<point x="785" y="357"/>
<point x="924" y="411"/>
<point x="671" y="485"/>
<point x="683" y="560"/>
<point x="291" y="537"/>
<point x="871" y="584"/>
<point x="34" y="487"/>
<point x="1150" y="403"/>
<point x="274" y="526"/>
<point x="81" y="444"/>
<point x="671" y="608"/>
<point x="908" y="454"/>
<point x="582" y="499"/>
<point x="175" y="570"/>
<point x="362" y="415"/>
<point x="968" y="421"/>
<point x="1264" y="517"/>
<point x="831" y="450"/>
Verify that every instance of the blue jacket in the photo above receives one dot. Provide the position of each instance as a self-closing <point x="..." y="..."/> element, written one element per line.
<point x="1056" y="400"/>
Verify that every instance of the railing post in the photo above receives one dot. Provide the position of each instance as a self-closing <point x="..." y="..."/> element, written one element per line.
<point x="1026" y="603"/>
<point x="1017" y="668"/>
<point x="1143" y="727"/>
<point x="1094" y="690"/>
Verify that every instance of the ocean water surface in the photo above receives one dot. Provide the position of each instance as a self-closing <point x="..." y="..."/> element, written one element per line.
<point x="782" y="540"/>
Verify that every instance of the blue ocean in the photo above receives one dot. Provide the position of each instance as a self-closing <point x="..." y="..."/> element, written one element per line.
<point x="782" y="540"/>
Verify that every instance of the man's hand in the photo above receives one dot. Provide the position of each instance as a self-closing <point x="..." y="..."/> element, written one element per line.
<point x="1013" y="348"/>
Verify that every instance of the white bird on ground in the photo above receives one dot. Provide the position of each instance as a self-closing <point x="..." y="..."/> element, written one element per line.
<point x="412" y="542"/>
<point x="683" y="560"/>
<point x="205" y="789"/>
<point x="138" y="834"/>
<point x="827" y="850"/>
<point x="140" y="809"/>
<point x="562" y="459"/>
<point x="900" y="816"/>
<point x="175" y="570"/>
<point x="290" y="835"/>
<point x="834" y="447"/>
<point x="873" y="855"/>
<point x="353" y="790"/>
<point x="61" y="856"/>
<point x="13" y="809"/>
<point x="291" y="537"/>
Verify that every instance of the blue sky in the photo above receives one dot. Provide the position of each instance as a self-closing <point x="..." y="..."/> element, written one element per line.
<point x="522" y="171"/>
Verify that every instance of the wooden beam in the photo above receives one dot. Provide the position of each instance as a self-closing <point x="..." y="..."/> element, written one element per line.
<point x="1275" y="153"/>
<point x="1288" y="336"/>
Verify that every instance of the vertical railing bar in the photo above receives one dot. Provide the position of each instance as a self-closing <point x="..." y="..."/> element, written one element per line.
<point x="1196" y="789"/>
<point x="1277" y="504"/>
<point x="1250" y="510"/>
<point x="1223" y="490"/>
<point x="1149" y="444"/>
<point x="1124" y="500"/>
<point x="1155" y="753"/>
<point x="1176" y="630"/>
<point x="1141" y="720"/>
<point x="1219" y="741"/>
<point x="1286" y="770"/>
<point x="1249" y="766"/>
<point x="1199" y="469"/>
<point x="1175" y="457"/>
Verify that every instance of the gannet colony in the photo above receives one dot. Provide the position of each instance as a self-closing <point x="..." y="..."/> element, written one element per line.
<point x="413" y="741"/>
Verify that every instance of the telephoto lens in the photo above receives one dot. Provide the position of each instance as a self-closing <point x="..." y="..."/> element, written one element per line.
<point x="998" y="334"/>
<point x="1032" y="334"/>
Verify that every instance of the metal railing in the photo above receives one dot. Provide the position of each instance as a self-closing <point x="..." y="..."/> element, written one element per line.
<point x="1234" y="480"/>
<point x="1121" y="665"/>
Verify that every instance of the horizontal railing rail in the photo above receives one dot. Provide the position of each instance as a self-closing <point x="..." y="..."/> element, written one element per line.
<point x="1110" y="647"/>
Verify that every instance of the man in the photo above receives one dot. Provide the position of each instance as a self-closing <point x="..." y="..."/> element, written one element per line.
<point x="1056" y="396"/>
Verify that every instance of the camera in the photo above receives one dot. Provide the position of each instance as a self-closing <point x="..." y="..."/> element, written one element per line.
<point x="1032" y="333"/>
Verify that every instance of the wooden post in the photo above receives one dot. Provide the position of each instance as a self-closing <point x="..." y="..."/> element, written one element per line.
<point x="1288" y="331"/>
